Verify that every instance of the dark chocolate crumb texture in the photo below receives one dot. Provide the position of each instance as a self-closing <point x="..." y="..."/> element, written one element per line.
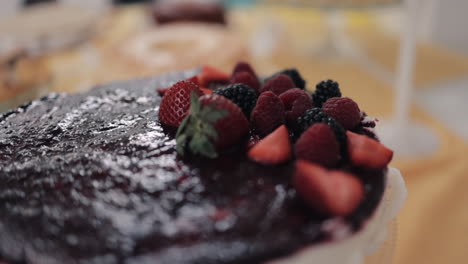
<point x="96" y="178"/>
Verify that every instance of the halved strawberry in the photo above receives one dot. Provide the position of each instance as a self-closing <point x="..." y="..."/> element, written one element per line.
<point x="273" y="149"/>
<point x="337" y="193"/>
<point x="175" y="104"/>
<point x="210" y="74"/>
<point x="367" y="152"/>
<point x="206" y="90"/>
<point x="254" y="139"/>
<point x="214" y="123"/>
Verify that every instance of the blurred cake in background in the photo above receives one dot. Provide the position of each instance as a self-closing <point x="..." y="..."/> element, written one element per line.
<point x="28" y="41"/>
<point x="47" y="27"/>
<point x="182" y="46"/>
<point x="22" y="78"/>
<point x="84" y="47"/>
<point x="209" y="11"/>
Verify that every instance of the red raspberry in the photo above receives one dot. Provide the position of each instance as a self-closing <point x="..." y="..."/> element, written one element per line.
<point x="246" y="78"/>
<point x="176" y="103"/>
<point x="268" y="114"/>
<point x="318" y="144"/>
<point x="344" y="110"/>
<point x="296" y="101"/>
<point x="278" y="84"/>
<point x="243" y="67"/>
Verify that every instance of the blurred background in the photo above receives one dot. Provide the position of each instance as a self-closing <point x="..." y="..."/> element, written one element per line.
<point x="404" y="62"/>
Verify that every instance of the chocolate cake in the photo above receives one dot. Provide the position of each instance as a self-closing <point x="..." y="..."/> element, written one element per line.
<point x="95" y="178"/>
<point x="170" y="11"/>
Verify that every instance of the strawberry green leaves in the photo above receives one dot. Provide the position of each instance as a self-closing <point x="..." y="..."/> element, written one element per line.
<point x="197" y="132"/>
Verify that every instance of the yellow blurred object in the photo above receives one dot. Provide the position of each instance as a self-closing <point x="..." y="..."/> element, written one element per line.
<point x="22" y="78"/>
<point x="179" y="46"/>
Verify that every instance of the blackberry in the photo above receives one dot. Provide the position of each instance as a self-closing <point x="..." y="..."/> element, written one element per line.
<point x="240" y="94"/>
<point x="316" y="115"/>
<point x="324" y="91"/>
<point x="295" y="76"/>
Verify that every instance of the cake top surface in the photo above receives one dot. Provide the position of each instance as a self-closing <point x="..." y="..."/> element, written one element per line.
<point x="96" y="178"/>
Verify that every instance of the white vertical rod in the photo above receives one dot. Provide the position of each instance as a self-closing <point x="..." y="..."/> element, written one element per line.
<point x="405" y="70"/>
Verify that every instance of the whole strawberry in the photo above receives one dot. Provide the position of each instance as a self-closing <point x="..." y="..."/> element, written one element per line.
<point x="278" y="84"/>
<point x="214" y="123"/>
<point x="296" y="102"/>
<point x="268" y="114"/>
<point x="318" y="144"/>
<point x="344" y="110"/>
<point x="175" y="104"/>
<point x="163" y="90"/>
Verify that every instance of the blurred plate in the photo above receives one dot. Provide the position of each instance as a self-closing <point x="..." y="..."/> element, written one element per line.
<point x="47" y="27"/>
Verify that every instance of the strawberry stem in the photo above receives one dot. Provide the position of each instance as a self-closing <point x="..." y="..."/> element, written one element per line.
<point x="197" y="133"/>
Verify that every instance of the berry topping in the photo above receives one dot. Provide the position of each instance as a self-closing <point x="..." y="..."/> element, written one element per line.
<point x="248" y="79"/>
<point x="240" y="94"/>
<point x="332" y="192"/>
<point x="206" y="90"/>
<point x="296" y="102"/>
<point x="367" y="121"/>
<point x="278" y="84"/>
<point x="162" y="91"/>
<point x="243" y="67"/>
<point x="214" y="123"/>
<point x="254" y="139"/>
<point x="316" y="115"/>
<point x="344" y="110"/>
<point x="295" y="76"/>
<point x="367" y="152"/>
<point x="273" y="149"/>
<point x="268" y="114"/>
<point x="318" y="144"/>
<point x="210" y="74"/>
<point x="193" y="79"/>
<point x="324" y="91"/>
<point x="176" y="103"/>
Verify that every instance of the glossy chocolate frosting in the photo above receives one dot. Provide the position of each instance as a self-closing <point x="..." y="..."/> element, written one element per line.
<point x="94" y="178"/>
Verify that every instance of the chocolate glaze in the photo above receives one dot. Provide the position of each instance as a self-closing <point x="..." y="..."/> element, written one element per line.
<point x="93" y="178"/>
